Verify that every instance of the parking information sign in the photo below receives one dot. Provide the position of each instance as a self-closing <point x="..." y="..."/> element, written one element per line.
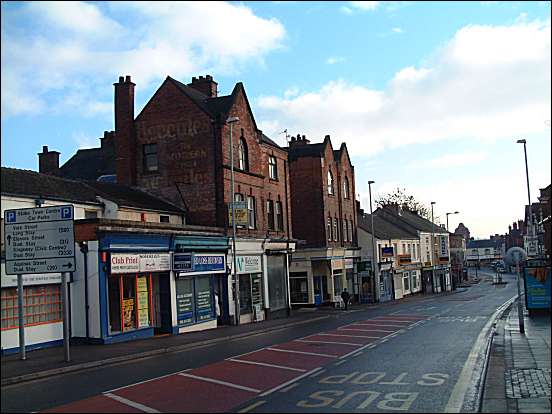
<point x="39" y="240"/>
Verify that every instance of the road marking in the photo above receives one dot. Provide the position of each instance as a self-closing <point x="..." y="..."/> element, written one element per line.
<point x="348" y="336"/>
<point x="130" y="403"/>
<point x="290" y="387"/>
<point x="357" y="354"/>
<point x="338" y="363"/>
<point x="264" y="364"/>
<point x="285" y="384"/>
<point x="360" y="349"/>
<point x="466" y="380"/>
<point x="363" y="330"/>
<point x="215" y="381"/>
<point x="301" y="352"/>
<point x="143" y="382"/>
<point x="251" y="407"/>
<point x="318" y="373"/>
<point x="377" y="324"/>
<point x="326" y="342"/>
<point x="395" y="321"/>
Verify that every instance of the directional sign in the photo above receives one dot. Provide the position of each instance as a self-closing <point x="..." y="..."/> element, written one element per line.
<point x="39" y="240"/>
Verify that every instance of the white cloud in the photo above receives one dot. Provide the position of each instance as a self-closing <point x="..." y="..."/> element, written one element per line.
<point x="488" y="82"/>
<point x="397" y="30"/>
<point x="332" y="60"/>
<point x="84" y="141"/>
<point x="365" y="5"/>
<point x="346" y="10"/>
<point x="67" y="45"/>
<point x="452" y="160"/>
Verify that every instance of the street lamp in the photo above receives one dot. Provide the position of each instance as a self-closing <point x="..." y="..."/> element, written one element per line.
<point x="456" y="212"/>
<point x="374" y="256"/>
<point x="432" y="249"/>
<point x="524" y="142"/>
<point x="231" y="121"/>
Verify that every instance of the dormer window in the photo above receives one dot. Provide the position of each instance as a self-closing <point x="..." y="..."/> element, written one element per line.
<point x="243" y="156"/>
<point x="330" y="183"/>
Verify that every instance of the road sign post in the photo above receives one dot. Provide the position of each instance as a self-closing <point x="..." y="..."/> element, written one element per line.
<point x="516" y="256"/>
<point x="40" y="240"/>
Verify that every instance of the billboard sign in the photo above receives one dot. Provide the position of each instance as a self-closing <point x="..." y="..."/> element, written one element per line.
<point x="240" y="212"/>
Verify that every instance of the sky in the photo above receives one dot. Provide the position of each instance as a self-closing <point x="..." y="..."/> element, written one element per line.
<point x="428" y="96"/>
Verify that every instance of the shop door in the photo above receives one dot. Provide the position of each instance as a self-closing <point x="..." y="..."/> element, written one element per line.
<point x="318" y="290"/>
<point x="386" y="287"/>
<point x="165" y="324"/>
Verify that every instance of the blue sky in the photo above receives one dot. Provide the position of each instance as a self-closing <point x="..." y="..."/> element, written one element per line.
<point x="428" y="96"/>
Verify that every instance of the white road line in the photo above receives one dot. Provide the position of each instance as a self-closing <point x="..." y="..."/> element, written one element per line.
<point x="290" y="387"/>
<point x="130" y="403"/>
<point x="359" y="349"/>
<point x="264" y="364"/>
<point x="215" y="381"/>
<point x="338" y="363"/>
<point x="148" y="380"/>
<point x="301" y="352"/>
<point x="378" y="325"/>
<point x="251" y="407"/>
<point x="318" y="373"/>
<point x="326" y="342"/>
<point x="395" y="321"/>
<point x="363" y="330"/>
<point x="285" y="384"/>
<point x="349" y="336"/>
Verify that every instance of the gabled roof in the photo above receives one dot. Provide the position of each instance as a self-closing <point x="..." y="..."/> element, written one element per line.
<point x="26" y="183"/>
<point x="89" y="164"/>
<point x="308" y="150"/>
<point x="409" y="220"/>
<point x="384" y="229"/>
<point x="267" y="140"/>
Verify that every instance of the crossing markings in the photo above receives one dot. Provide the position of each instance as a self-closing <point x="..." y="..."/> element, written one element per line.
<point x="349" y="336"/>
<point x="290" y="387"/>
<point x="364" y="330"/>
<point x="326" y="342"/>
<point x="228" y="384"/>
<point x="251" y="407"/>
<point x="302" y="352"/>
<point x="264" y="364"/>
<point x="285" y="384"/>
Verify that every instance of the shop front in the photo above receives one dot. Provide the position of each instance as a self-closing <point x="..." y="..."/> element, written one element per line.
<point x="250" y="272"/>
<point x="386" y="283"/>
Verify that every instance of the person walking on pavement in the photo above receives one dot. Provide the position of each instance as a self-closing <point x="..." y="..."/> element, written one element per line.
<point x="345" y="296"/>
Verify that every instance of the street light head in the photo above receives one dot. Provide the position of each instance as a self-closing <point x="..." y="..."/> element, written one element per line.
<point x="371" y="182"/>
<point x="521" y="141"/>
<point x="232" y="119"/>
<point x="456" y="212"/>
<point x="433" y="202"/>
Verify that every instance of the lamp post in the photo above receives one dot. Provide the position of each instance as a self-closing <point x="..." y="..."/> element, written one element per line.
<point x="524" y="142"/>
<point x="230" y="121"/>
<point x="456" y="212"/>
<point x="432" y="248"/>
<point x="374" y="256"/>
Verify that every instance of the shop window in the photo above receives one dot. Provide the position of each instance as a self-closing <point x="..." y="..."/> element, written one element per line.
<point x="42" y="304"/>
<point x="337" y="282"/>
<point x="150" y="157"/>
<point x="90" y="214"/>
<point x="272" y="168"/>
<point x="194" y="300"/>
<point x="129" y="302"/>
<point x="203" y="298"/>
<point x="298" y="284"/>
<point x="406" y="281"/>
<point x="279" y="216"/>
<point x="246" y="305"/>
<point x="251" y="212"/>
<point x="270" y="214"/>
<point x="164" y="219"/>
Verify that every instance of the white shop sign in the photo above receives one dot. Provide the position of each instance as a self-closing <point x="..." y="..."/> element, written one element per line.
<point x="249" y="264"/>
<point x="138" y="263"/>
<point x="348" y="263"/>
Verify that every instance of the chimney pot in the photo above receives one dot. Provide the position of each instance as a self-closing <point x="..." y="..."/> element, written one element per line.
<point x="304" y="137"/>
<point x="201" y="77"/>
<point x="45" y="149"/>
<point x="121" y="79"/>
<point x="327" y="136"/>
<point x="208" y="77"/>
<point x="194" y="79"/>
<point x="127" y="79"/>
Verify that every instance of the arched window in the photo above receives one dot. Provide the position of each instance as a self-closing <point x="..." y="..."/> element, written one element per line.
<point x="346" y="188"/>
<point x="330" y="183"/>
<point x="243" y="157"/>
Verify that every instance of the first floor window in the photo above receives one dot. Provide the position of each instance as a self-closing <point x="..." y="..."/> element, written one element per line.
<point x="41" y="305"/>
<point x="351" y="230"/>
<point x="345" y="230"/>
<point x="270" y="214"/>
<point x="279" y="216"/>
<point x="251" y="212"/>
<point x="336" y="235"/>
<point x="150" y="157"/>
<point x="329" y="228"/>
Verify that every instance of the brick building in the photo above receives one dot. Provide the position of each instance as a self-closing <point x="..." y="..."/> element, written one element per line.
<point x="178" y="147"/>
<point x="322" y="184"/>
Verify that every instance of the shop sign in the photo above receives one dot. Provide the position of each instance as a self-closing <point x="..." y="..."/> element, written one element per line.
<point x="404" y="258"/>
<point x="137" y="263"/>
<point x="200" y="263"/>
<point x="385" y="266"/>
<point x="240" y="213"/>
<point x="249" y="264"/>
<point x="337" y="263"/>
<point x="182" y="262"/>
<point x="348" y="263"/>
<point x="387" y="251"/>
<point x="443" y="250"/>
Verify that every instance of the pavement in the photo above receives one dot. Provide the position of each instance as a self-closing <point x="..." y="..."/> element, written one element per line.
<point x="518" y="372"/>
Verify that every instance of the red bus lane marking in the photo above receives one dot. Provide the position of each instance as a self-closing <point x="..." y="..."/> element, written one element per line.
<point x="264" y="364"/>
<point x="97" y="404"/>
<point x="382" y="324"/>
<point x="130" y="403"/>
<point x="365" y="328"/>
<point x="335" y="350"/>
<point x="326" y="341"/>
<point x="245" y="375"/>
<point x="353" y="339"/>
<point x="346" y="335"/>
<point x="179" y="393"/>
<point x="306" y="362"/>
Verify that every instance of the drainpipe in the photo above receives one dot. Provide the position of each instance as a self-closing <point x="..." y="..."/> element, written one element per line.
<point x="84" y="250"/>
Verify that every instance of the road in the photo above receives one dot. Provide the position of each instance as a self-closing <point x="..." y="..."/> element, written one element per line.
<point x="417" y="355"/>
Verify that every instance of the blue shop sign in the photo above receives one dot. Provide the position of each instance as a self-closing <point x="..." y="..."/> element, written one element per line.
<point x="537" y="287"/>
<point x="199" y="263"/>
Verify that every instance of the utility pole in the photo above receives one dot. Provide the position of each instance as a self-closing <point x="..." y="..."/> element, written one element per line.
<point x="230" y="121"/>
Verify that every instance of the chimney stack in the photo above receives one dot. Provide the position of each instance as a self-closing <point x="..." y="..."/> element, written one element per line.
<point x="300" y="140"/>
<point x="48" y="161"/>
<point x="125" y="140"/>
<point x="205" y="85"/>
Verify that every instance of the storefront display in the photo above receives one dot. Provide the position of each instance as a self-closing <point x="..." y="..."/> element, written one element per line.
<point x="277" y="290"/>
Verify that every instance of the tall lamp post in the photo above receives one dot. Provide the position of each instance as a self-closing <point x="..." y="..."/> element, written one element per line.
<point x="524" y="142"/>
<point x="432" y="248"/>
<point x="374" y="256"/>
<point x="456" y="212"/>
<point x="231" y="121"/>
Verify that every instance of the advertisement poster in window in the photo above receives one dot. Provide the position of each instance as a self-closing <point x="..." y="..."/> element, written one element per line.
<point x="143" y="301"/>
<point x="128" y="313"/>
<point x="184" y="301"/>
<point x="204" y="302"/>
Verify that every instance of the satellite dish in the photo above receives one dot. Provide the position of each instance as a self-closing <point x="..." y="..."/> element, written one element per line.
<point x="515" y="256"/>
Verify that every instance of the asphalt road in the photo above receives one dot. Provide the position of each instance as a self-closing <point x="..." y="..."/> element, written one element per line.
<point x="418" y="355"/>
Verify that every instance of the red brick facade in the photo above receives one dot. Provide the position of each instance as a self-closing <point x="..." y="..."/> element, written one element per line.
<point x="312" y="204"/>
<point x="187" y="124"/>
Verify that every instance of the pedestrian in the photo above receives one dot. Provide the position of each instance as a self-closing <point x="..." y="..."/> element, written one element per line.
<point x="345" y="296"/>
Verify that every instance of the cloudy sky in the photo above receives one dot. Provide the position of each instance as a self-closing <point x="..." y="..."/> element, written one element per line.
<point x="428" y="96"/>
